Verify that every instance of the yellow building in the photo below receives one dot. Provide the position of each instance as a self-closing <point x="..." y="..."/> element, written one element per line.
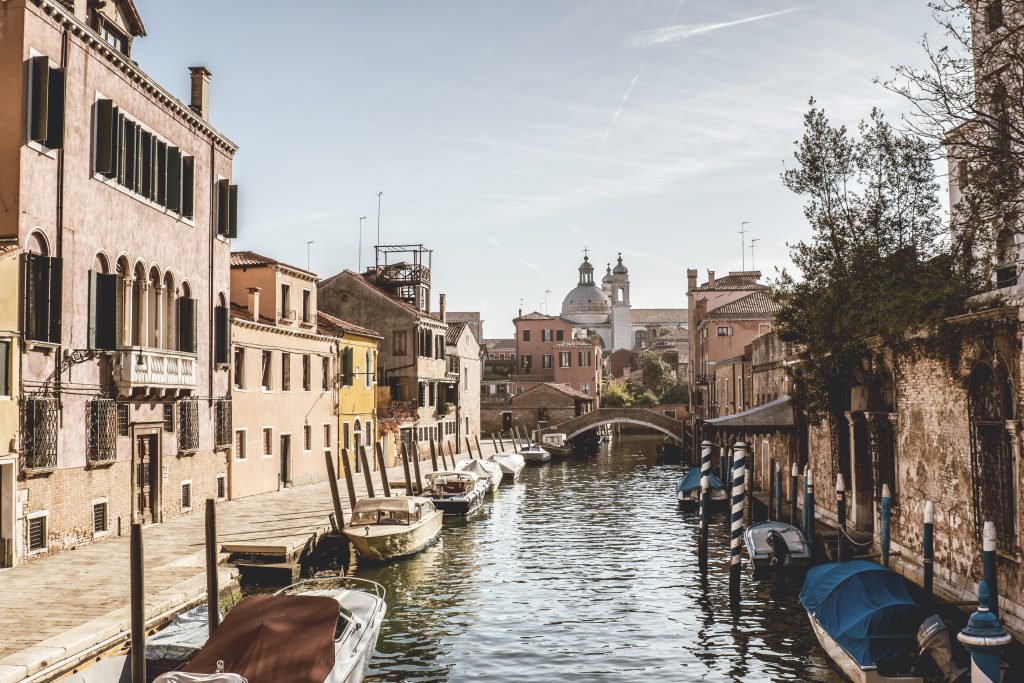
<point x="10" y="353"/>
<point x="357" y="391"/>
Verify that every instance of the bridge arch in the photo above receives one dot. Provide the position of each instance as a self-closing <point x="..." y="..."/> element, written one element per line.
<point x="641" y="417"/>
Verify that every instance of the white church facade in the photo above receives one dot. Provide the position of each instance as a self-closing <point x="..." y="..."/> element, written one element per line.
<point x="605" y="311"/>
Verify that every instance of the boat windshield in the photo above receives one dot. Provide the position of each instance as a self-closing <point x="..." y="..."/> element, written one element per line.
<point x="380" y="517"/>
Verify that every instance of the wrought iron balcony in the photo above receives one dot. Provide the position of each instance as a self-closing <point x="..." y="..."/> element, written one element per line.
<point x="142" y="370"/>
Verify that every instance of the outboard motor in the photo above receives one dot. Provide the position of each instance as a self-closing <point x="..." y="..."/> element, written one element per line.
<point x="933" y="638"/>
<point x="780" y="549"/>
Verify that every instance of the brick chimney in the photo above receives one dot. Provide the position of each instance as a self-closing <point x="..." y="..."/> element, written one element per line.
<point x="200" y="90"/>
<point x="691" y="279"/>
<point x="711" y="279"/>
<point x="254" y="303"/>
<point x="442" y="307"/>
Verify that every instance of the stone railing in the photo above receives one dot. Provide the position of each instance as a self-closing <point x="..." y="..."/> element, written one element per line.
<point x="141" y="369"/>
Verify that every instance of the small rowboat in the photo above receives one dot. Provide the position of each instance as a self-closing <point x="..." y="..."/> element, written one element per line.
<point x="775" y="544"/>
<point x="534" y="453"/>
<point x="384" y="529"/>
<point x="511" y="464"/>
<point x="484" y="469"/>
<point x="688" y="490"/>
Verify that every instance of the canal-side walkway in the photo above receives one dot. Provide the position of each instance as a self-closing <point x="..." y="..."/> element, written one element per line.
<point x="61" y="610"/>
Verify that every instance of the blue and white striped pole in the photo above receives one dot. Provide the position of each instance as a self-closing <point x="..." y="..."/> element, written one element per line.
<point x="929" y="548"/>
<point x="705" y="495"/>
<point x="985" y="637"/>
<point x="736" y="537"/>
<point x="886" y="520"/>
<point x="988" y="564"/>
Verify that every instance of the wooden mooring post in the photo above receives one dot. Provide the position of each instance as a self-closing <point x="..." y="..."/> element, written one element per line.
<point x="501" y="441"/>
<point x="384" y="484"/>
<point x="138" y="606"/>
<point x="988" y="565"/>
<point x="841" y="514"/>
<point x="339" y="515"/>
<point x="778" y="491"/>
<point x="886" y="516"/>
<point x="985" y="638"/>
<point x="809" y="509"/>
<point x="212" y="589"/>
<point x="770" y="512"/>
<point x="416" y="467"/>
<point x="451" y="456"/>
<point x="405" y="469"/>
<point x="366" y="471"/>
<point x="433" y="456"/>
<point x="736" y="530"/>
<point x="479" y="451"/>
<point x="349" y="483"/>
<point x="794" y="487"/>
<point x="469" y="447"/>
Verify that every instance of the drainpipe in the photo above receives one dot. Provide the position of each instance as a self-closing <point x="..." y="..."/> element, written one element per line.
<point x="59" y="217"/>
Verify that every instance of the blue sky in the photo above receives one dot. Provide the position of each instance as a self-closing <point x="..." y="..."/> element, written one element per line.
<point x="508" y="136"/>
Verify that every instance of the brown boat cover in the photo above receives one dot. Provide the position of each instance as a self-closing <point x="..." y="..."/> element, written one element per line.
<point x="274" y="639"/>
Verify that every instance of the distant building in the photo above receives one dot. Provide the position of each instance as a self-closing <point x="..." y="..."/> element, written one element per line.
<point x="546" y="351"/>
<point x="540" y="405"/>
<point x="472" y="319"/>
<point x="463" y="351"/>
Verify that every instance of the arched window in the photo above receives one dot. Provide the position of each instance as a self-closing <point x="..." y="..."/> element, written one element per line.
<point x="170" y="326"/>
<point x="124" y="299"/>
<point x="155" y="313"/>
<point x="990" y="406"/>
<point x="37" y="244"/>
<point x="641" y="338"/>
<point x="138" y="288"/>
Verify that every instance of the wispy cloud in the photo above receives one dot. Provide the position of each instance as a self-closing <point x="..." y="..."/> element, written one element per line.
<point x="668" y="34"/>
<point x="622" y="104"/>
<point x="532" y="266"/>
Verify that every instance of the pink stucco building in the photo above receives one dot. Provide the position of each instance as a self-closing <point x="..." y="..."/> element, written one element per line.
<point x="120" y="200"/>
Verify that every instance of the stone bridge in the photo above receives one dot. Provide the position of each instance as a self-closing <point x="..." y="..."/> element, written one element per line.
<point x="641" y="417"/>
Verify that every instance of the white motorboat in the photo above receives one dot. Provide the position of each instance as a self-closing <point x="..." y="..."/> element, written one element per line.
<point x="775" y="543"/>
<point x="557" y="444"/>
<point x="534" y="453"/>
<point x="384" y="529"/>
<point x="511" y="464"/>
<point x="317" y="631"/>
<point x="483" y="468"/>
<point x="456" y="493"/>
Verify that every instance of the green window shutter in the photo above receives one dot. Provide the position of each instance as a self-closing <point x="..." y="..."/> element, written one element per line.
<point x="222" y="332"/>
<point x="120" y="151"/>
<point x="28" y="293"/>
<point x="187" y="323"/>
<point x="174" y="179"/>
<point x="129" y="155"/>
<point x="188" y="186"/>
<point x="348" y="368"/>
<point x="232" y="211"/>
<point x="54" y="291"/>
<point x="194" y="326"/>
<point x="146" y="163"/>
<point x="106" y="311"/>
<point x="223" y="207"/>
<point x="94" y="306"/>
<point x="55" y="109"/>
<point x="161" y="173"/>
<point x="103" y="135"/>
<point x="38" y="90"/>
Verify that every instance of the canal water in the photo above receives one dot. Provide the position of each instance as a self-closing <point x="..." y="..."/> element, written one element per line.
<point x="584" y="570"/>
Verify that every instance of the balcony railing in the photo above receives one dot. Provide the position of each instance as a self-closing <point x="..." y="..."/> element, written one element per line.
<point x="138" y="369"/>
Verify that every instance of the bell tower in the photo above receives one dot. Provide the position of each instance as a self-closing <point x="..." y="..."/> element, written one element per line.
<point x="622" y="315"/>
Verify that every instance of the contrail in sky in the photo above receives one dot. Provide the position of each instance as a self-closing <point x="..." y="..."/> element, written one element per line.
<point x="670" y="34"/>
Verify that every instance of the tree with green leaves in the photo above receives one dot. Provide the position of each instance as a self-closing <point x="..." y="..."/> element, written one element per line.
<point x="879" y="260"/>
<point x="616" y="394"/>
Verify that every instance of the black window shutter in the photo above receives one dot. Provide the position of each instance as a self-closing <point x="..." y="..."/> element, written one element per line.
<point x="174" y="179"/>
<point x="223" y="334"/>
<point x="161" y="173"/>
<point x="120" y="150"/>
<point x="55" y="109"/>
<point x="106" y="311"/>
<point x="38" y="89"/>
<point x="146" y="164"/>
<point x="104" y="133"/>
<point x="94" y="307"/>
<point x="40" y="320"/>
<point x="232" y="211"/>
<point x="28" y="303"/>
<point x="129" y="155"/>
<point x="193" y="326"/>
<point x="223" y="207"/>
<point x="54" y="292"/>
<point x="187" y="322"/>
<point x="188" y="186"/>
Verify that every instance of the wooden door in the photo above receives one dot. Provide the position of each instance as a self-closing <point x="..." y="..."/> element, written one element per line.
<point x="286" y="445"/>
<point x="506" y="422"/>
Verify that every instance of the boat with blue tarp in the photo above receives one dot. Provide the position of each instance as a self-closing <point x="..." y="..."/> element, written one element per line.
<point x="688" y="490"/>
<point x="869" y="622"/>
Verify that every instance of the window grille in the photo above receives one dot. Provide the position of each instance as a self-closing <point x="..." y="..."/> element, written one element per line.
<point x="222" y="422"/>
<point x="307" y="437"/>
<point x="222" y="487"/>
<point x="188" y="424"/>
<point x="990" y="405"/>
<point x="37" y="533"/>
<point x="102" y="429"/>
<point x="168" y="417"/>
<point x="186" y="495"/>
<point x="99" y="517"/>
<point x="122" y="419"/>
<point x="40" y="430"/>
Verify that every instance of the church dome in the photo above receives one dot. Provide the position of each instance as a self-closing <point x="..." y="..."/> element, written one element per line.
<point x="619" y="268"/>
<point x="586" y="304"/>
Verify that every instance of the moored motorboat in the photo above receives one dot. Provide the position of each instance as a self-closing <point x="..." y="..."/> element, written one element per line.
<point x="775" y="543"/>
<point x="688" y="490"/>
<point x="511" y="465"/>
<point x="484" y="469"/>
<point x="869" y="625"/>
<point x="557" y="444"/>
<point x="535" y="454"/>
<point x="456" y="493"/>
<point x="384" y="529"/>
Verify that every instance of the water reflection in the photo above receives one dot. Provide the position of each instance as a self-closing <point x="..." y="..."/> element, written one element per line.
<point x="585" y="571"/>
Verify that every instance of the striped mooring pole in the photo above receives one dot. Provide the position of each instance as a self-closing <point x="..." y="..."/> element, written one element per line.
<point x="841" y="513"/>
<point x="736" y="535"/>
<point x="985" y="638"/>
<point x="886" y="517"/>
<point x="794" y="486"/>
<point x="705" y="482"/>
<point x="988" y="564"/>
<point x="929" y="548"/>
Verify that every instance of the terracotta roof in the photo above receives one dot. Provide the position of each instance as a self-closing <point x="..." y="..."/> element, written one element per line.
<point x="454" y="331"/>
<point x="647" y="316"/>
<point x="464" y="316"/>
<point x="245" y="259"/>
<point x="758" y="304"/>
<point x="568" y="391"/>
<point x="735" y="280"/>
<point x="493" y="344"/>
<point x="8" y="246"/>
<point x="243" y="313"/>
<point x="536" y="316"/>
<point x="336" y="327"/>
<point x="359" y="279"/>
<point x="574" y="344"/>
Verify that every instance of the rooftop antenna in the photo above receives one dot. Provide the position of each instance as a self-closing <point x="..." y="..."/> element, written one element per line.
<point x="307" y="253"/>
<point x="378" y="215"/>
<point x="753" y="241"/>
<point x="743" y="243"/>
<point x="546" y="292"/>
<point x="361" y="219"/>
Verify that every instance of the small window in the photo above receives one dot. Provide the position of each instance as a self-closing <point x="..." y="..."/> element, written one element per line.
<point x="186" y="495"/>
<point x="5" y="367"/>
<point x="122" y="419"/>
<point x="286" y="303"/>
<point x="307" y="305"/>
<point x="307" y="437"/>
<point x="724" y="331"/>
<point x="222" y="487"/>
<point x="585" y="388"/>
<point x="527" y="362"/>
<point x="327" y="436"/>
<point x="526" y="335"/>
<point x="267" y="369"/>
<point x="286" y="372"/>
<point x="268" y="441"/>
<point x="564" y="359"/>
<point x="545" y="335"/>
<point x="399" y="343"/>
<point x="307" y="372"/>
<point x="37" y="533"/>
<point x="345" y="436"/>
<point x="559" y="335"/>
<point x="45" y="103"/>
<point x="547" y="361"/>
<point x="168" y="417"/>
<point x="994" y="13"/>
<point x="239" y="369"/>
<point x="501" y="356"/>
<point x="99" y="517"/>
<point x="325" y="375"/>
<point x="240" y="444"/>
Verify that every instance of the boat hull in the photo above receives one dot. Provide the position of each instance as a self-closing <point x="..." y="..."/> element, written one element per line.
<point x="385" y="543"/>
<point x="762" y="556"/>
<point x="536" y="457"/>
<point x="848" y="666"/>
<point x="691" y="501"/>
<point x="511" y="465"/>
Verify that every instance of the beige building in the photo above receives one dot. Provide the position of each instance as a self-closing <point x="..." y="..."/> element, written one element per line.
<point x="284" y="395"/>
<point x="464" y="360"/>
